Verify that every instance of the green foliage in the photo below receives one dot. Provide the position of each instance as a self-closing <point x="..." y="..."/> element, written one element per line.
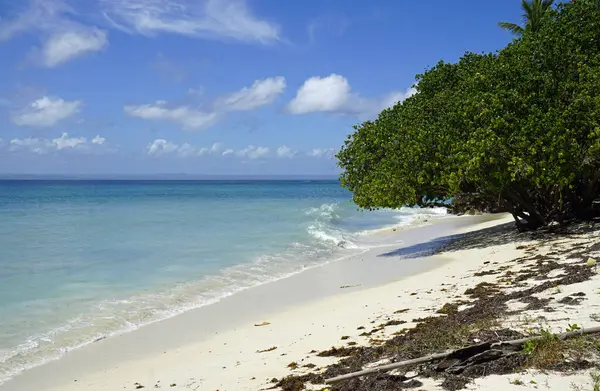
<point x="517" y="130"/>
<point x="533" y="15"/>
<point x="595" y="380"/>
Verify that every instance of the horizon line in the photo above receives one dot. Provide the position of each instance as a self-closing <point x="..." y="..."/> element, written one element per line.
<point x="162" y="176"/>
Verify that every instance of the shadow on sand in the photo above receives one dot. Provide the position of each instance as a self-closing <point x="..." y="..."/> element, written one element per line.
<point x="494" y="236"/>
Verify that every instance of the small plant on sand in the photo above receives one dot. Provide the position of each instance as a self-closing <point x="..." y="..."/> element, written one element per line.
<point x="527" y="319"/>
<point x="517" y="382"/>
<point x="576" y="387"/>
<point x="573" y="327"/>
<point x="544" y="351"/>
<point x="595" y="380"/>
<point x="557" y="290"/>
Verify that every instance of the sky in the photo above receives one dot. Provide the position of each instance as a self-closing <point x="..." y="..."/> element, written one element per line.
<point x="220" y="87"/>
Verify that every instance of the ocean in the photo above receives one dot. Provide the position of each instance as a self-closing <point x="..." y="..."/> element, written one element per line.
<point x="83" y="260"/>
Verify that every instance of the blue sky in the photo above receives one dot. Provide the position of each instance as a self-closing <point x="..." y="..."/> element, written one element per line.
<point x="215" y="86"/>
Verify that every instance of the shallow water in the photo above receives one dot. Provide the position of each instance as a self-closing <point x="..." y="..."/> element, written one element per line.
<point x="82" y="260"/>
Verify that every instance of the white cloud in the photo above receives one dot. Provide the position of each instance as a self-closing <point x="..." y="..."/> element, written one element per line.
<point x="64" y="142"/>
<point x="333" y="94"/>
<point x="212" y="19"/>
<point x="253" y="152"/>
<point x="250" y="152"/>
<point x="63" y="38"/>
<point x="98" y="140"/>
<point x="286" y="152"/>
<point x="189" y="118"/>
<point x="45" y="112"/>
<point x="330" y="93"/>
<point x="261" y="93"/>
<point x="215" y="148"/>
<point x="160" y="147"/>
<point x="321" y="152"/>
<point x="65" y="46"/>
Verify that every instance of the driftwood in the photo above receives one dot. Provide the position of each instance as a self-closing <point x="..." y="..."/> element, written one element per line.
<point x="456" y="360"/>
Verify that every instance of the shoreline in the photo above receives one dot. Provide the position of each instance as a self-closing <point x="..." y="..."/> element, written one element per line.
<point x="183" y="301"/>
<point x="143" y="349"/>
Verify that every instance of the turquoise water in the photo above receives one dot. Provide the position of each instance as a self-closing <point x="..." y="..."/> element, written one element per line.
<point x="81" y="260"/>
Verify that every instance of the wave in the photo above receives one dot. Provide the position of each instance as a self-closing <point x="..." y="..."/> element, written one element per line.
<point x="328" y="236"/>
<point x="324" y="228"/>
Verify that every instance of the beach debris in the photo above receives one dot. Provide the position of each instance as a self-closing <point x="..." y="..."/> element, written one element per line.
<point x="293" y="365"/>
<point x="173" y="385"/>
<point x="455" y="361"/>
<point x="591" y="262"/>
<point x="267" y="350"/>
<point x="336" y="352"/>
<point x="262" y="324"/>
<point x="138" y="386"/>
<point x="349" y="286"/>
<point x="344" y="337"/>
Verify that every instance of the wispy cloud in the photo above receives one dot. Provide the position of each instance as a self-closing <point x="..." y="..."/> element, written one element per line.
<point x="321" y="152"/>
<point x="330" y="24"/>
<point x="212" y="19"/>
<point x="261" y="93"/>
<point x="170" y="69"/>
<point x="63" y="38"/>
<point x="42" y="146"/>
<point x="333" y="94"/>
<point x="65" y="46"/>
<point x="45" y="112"/>
<point x="189" y="118"/>
<point x="65" y="32"/>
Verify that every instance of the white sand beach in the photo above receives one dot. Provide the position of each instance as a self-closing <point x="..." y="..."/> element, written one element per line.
<point x="249" y="338"/>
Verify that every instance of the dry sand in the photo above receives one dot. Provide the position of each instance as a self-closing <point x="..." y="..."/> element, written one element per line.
<point x="246" y="355"/>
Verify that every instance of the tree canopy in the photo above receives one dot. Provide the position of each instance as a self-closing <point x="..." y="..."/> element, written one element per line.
<point x="516" y="131"/>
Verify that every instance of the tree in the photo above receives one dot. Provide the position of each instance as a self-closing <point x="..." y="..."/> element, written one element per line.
<point x="515" y="131"/>
<point x="533" y="14"/>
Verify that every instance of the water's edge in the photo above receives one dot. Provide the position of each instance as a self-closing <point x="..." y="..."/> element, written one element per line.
<point x="273" y="296"/>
